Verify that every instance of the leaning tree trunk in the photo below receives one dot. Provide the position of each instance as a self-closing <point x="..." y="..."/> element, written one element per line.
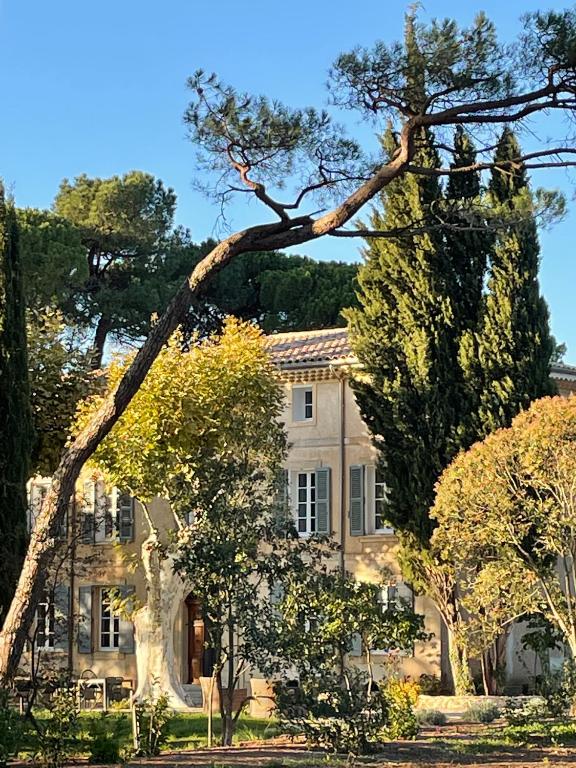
<point x="154" y="628"/>
<point x="265" y="237"/>
<point x="102" y="330"/>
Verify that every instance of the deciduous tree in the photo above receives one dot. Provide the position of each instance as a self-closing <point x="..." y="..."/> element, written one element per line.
<point x="471" y="79"/>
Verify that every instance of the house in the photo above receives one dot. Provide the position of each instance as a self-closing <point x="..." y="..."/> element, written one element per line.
<point x="334" y="487"/>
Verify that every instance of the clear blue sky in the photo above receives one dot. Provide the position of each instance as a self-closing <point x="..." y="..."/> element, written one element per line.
<point x="99" y="88"/>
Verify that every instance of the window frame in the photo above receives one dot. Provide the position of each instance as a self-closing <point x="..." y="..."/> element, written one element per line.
<point x="308" y="389"/>
<point x="114" y="627"/>
<point x="48" y="623"/>
<point x="309" y="502"/>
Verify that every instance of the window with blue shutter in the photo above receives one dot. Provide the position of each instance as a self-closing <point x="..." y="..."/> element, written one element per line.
<point x="88" y="513"/>
<point x="357" y="504"/>
<point x="85" y="619"/>
<point x="126" y="641"/>
<point x="61" y="616"/>
<point x="323" y="522"/>
<point x="125" y="517"/>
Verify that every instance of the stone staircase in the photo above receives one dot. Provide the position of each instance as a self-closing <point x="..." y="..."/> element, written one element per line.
<point x="193" y="695"/>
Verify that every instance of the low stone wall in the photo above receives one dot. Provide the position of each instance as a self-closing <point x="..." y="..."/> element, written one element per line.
<point x="460" y="704"/>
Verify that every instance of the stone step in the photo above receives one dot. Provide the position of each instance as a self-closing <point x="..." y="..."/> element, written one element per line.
<point x="193" y="695"/>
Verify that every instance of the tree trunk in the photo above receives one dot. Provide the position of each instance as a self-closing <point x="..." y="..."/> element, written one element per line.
<point x="102" y="330"/>
<point x="154" y="628"/>
<point x="264" y="237"/>
<point x="459" y="666"/>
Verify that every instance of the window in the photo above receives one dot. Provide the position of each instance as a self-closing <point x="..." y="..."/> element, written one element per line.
<point x="109" y="623"/>
<point x="306" y="511"/>
<point x="380" y="499"/>
<point x="104" y="515"/>
<point x="45" y="623"/>
<point x="395" y="596"/>
<point x="302" y="404"/>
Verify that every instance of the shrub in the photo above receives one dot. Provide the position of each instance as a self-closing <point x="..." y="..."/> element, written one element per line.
<point x="11" y="730"/>
<point x="431" y="717"/>
<point x="152" y="719"/>
<point x="57" y="736"/>
<point x="482" y="713"/>
<point x="104" y="739"/>
<point x="525" y="712"/>
<point x="342" y="716"/>
<point x="401" y="697"/>
<point x="429" y="685"/>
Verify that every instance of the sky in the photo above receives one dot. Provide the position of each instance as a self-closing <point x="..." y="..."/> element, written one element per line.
<point x="100" y="88"/>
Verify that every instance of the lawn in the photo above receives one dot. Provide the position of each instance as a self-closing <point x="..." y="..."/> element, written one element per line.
<point x="185" y="731"/>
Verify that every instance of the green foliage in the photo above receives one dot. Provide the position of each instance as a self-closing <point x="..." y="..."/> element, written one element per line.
<point x="105" y="734"/>
<point x="15" y="421"/>
<point x="401" y="697"/>
<point x="342" y="717"/>
<point x="57" y="735"/>
<point x="11" y="730"/>
<point x="431" y="717"/>
<point x="430" y="685"/>
<point x="525" y="712"/>
<point x="59" y="379"/>
<point x="153" y="718"/>
<point x="482" y="713"/>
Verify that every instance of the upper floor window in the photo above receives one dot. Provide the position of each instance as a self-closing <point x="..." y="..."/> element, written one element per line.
<point x="302" y="403"/>
<point x="309" y="495"/>
<point x="368" y="497"/>
<point x="106" y="515"/>
<point x="306" y="502"/>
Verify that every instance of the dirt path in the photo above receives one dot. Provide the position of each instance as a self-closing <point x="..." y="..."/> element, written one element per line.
<point x="394" y="755"/>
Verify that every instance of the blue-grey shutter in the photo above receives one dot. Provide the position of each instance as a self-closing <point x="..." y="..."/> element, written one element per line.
<point x="323" y="522"/>
<point x="404" y="594"/>
<point x="87" y="514"/>
<point x="61" y="616"/>
<point x="126" y="641"/>
<point x="357" y="505"/>
<point x="356" y="649"/>
<point x="125" y="517"/>
<point x="85" y="620"/>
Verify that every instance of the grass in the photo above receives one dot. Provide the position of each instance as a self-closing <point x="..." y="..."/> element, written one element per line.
<point x="185" y="730"/>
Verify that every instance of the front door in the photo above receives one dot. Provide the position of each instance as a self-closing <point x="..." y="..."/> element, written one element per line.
<point x="195" y="639"/>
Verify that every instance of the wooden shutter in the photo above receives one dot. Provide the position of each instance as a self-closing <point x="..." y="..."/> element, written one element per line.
<point x="126" y="641"/>
<point x="323" y="522"/>
<point x="125" y="517"/>
<point x="87" y="517"/>
<point x="357" y="504"/>
<point x="405" y="595"/>
<point x="85" y="620"/>
<point x="61" y="616"/>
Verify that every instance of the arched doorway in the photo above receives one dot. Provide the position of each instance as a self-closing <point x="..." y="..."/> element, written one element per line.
<point x="195" y="624"/>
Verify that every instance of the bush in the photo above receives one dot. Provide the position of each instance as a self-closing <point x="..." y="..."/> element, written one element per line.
<point x="520" y="713"/>
<point x="104" y="739"/>
<point x="153" y="718"/>
<point x="430" y="685"/>
<point x="11" y="730"/>
<point x="57" y="736"/>
<point x="332" y="714"/>
<point x="401" y="697"/>
<point x="482" y="713"/>
<point x="431" y="717"/>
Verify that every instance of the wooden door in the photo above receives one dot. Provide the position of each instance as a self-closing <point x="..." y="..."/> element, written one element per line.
<point x="195" y="639"/>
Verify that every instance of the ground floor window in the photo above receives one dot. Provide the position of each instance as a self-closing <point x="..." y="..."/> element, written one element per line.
<point x="109" y="622"/>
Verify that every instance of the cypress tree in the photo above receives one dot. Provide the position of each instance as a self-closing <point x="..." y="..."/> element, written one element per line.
<point x="15" y="422"/>
<point x="515" y="347"/>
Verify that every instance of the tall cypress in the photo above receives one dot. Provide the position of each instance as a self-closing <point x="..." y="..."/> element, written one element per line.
<point x="15" y="420"/>
<point x="403" y="332"/>
<point x="515" y="346"/>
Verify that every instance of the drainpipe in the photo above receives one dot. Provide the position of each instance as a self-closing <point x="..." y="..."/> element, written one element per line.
<point x="341" y="376"/>
<point x="71" y="622"/>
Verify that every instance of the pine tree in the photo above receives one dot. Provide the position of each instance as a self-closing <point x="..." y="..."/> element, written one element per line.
<point x="15" y="429"/>
<point x="515" y="347"/>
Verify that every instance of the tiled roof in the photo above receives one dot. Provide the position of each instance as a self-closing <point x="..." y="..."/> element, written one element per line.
<point x="330" y="346"/>
<point x="307" y="348"/>
<point x="563" y="372"/>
